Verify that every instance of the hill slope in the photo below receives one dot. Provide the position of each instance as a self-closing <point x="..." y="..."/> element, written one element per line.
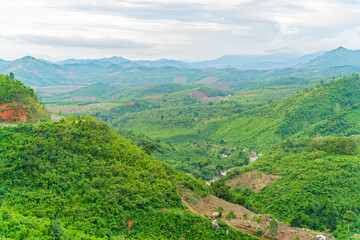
<point x="262" y="127"/>
<point x="315" y="185"/>
<point x="77" y="179"/>
<point x="337" y="57"/>
<point x="19" y="103"/>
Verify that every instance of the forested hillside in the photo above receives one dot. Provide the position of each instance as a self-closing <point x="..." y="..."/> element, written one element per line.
<point x="252" y="121"/>
<point x="315" y="185"/>
<point x="262" y="127"/>
<point x="77" y="179"/>
<point x="19" y="103"/>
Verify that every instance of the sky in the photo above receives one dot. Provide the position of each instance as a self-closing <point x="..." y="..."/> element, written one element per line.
<point x="183" y="30"/>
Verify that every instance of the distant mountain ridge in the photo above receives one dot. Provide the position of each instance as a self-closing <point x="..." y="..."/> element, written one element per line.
<point x="239" y="69"/>
<point x="257" y="62"/>
<point x="338" y="57"/>
<point x="102" y="61"/>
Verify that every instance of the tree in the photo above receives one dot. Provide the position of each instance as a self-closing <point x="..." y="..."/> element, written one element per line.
<point x="350" y="216"/>
<point x="11" y="75"/>
<point x="273" y="230"/>
<point x="57" y="229"/>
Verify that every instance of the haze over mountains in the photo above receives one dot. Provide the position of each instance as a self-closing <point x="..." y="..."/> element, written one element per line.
<point x="118" y="70"/>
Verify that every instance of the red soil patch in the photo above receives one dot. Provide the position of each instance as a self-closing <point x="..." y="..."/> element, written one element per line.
<point x="129" y="224"/>
<point x="250" y="95"/>
<point x="202" y="97"/>
<point x="208" y="80"/>
<point x="13" y="115"/>
<point x="5" y="105"/>
<point x="154" y="97"/>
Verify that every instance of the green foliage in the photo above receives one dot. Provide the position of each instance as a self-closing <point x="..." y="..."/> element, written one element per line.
<point x="221" y="190"/>
<point x="318" y="188"/>
<point x="331" y="145"/>
<point x="350" y="216"/>
<point x="220" y="209"/>
<point x="57" y="230"/>
<point x="78" y="179"/>
<point x="14" y="91"/>
<point x="273" y="228"/>
<point x="259" y="232"/>
<point x="17" y="95"/>
<point x="198" y="158"/>
<point x="265" y="126"/>
<point x="231" y="215"/>
<point x="213" y="92"/>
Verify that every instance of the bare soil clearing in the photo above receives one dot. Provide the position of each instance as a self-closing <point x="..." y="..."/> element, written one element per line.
<point x="208" y="80"/>
<point x="12" y="114"/>
<point x="254" y="180"/>
<point x="154" y="97"/>
<point x="248" y="221"/>
<point x="181" y="80"/>
<point x="202" y="97"/>
<point x="250" y="95"/>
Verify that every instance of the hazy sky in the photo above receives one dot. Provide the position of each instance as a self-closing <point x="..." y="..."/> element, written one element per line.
<point x="192" y="30"/>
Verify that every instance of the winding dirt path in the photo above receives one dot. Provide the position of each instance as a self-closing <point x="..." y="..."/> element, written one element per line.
<point x="190" y="207"/>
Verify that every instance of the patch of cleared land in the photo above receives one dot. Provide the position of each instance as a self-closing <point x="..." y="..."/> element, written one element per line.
<point x="208" y="80"/>
<point x="154" y="97"/>
<point x="181" y="80"/>
<point x="202" y="97"/>
<point x="248" y="221"/>
<point x="250" y="95"/>
<point x="254" y="180"/>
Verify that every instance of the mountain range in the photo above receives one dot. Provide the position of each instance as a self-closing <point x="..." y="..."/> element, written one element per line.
<point x="232" y="68"/>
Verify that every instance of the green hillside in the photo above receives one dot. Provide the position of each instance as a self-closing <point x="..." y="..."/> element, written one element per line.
<point x="243" y="122"/>
<point x="103" y="92"/>
<point x="15" y="95"/>
<point x="318" y="185"/>
<point x="262" y="127"/>
<point x="77" y="179"/>
<point x="337" y="57"/>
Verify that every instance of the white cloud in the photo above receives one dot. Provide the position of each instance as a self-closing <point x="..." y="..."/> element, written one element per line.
<point x="186" y="29"/>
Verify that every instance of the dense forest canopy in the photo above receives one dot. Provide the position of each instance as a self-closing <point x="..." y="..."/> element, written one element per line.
<point x="78" y="179"/>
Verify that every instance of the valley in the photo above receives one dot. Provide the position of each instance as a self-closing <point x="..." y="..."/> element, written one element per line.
<point x="275" y="157"/>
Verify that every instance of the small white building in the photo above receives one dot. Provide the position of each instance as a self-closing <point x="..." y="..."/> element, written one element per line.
<point x="320" y="237"/>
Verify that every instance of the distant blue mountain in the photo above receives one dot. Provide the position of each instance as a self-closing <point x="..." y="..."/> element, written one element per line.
<point x="119" y="70"/>
<point x="163" y="63"/>
<point x="334" y="58"/>
<point x="102" y="61"/>
<point x="257" y="62"/>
